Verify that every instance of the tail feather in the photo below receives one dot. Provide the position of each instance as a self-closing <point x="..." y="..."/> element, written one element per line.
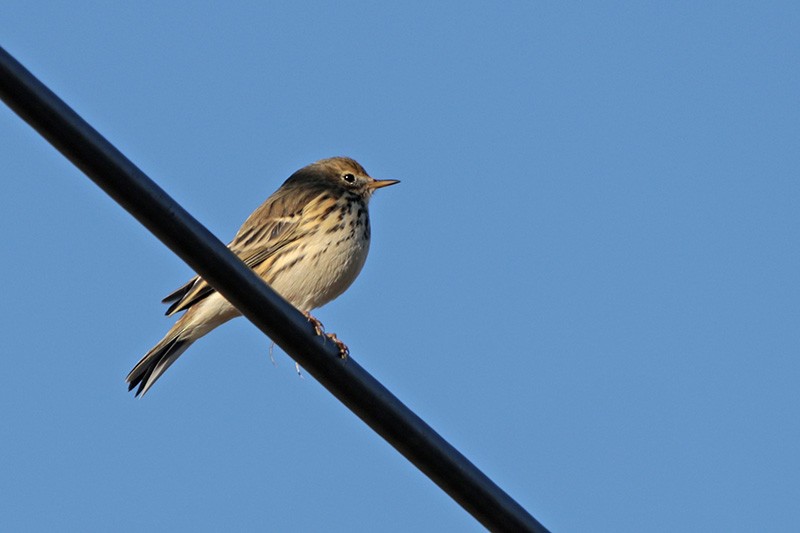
<point x="156" y="362"/>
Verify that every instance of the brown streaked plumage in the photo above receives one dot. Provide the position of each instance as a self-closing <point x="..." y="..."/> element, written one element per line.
<point x="308" y="241"/>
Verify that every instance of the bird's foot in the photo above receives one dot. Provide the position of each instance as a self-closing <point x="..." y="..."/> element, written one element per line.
<point x="344" y="351"/>
<point x="319" y="329"/>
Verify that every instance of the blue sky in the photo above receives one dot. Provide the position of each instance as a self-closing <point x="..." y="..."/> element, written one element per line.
<point x="587" y="280"/>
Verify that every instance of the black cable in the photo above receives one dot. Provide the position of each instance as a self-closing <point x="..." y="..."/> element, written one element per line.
<point x="209" y="257"/>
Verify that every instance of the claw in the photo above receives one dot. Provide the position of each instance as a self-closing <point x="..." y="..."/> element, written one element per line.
<point x="344" y="351"/>
<point x="319" y="329"/>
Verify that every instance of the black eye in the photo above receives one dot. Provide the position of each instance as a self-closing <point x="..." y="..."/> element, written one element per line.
<point x="349" y="178"/>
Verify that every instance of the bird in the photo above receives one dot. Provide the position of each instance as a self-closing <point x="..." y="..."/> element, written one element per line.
<point x="309" y="241"/>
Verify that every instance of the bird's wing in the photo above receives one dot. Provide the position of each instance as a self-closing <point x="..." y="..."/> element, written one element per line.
<point x="271" y="227"/>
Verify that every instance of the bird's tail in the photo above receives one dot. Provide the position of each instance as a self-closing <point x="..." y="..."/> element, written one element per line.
<point x="158" y="360"/>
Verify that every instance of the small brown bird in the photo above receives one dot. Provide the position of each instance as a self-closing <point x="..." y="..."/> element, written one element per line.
<point x="308" y="241"/>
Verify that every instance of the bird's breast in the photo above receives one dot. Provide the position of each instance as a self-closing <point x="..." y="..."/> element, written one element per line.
<point x="324" y="262"/>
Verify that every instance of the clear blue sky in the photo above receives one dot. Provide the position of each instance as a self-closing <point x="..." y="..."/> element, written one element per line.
<point x="588" y="281"/>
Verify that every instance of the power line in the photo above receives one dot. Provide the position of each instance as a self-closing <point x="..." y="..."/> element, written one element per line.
<point x="208" y="256"/>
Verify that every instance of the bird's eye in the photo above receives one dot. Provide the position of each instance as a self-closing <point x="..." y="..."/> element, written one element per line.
<point x="349" y="178"/>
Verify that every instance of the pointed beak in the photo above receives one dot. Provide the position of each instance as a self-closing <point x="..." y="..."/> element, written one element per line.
<point x="379" y="184"/>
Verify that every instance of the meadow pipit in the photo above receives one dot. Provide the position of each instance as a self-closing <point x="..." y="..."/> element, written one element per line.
<point x="308" y="241"/>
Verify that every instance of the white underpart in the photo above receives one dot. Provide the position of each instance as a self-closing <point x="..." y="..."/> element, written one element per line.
<point x="329" y="269"/>
<point x="206" y="315"/>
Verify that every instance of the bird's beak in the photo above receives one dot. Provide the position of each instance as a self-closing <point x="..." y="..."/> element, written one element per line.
<point x="378" y="184"/>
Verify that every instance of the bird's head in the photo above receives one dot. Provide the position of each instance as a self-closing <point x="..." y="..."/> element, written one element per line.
<point x="342" y="173"/>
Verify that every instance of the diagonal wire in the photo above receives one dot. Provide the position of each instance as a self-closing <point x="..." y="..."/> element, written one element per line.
<point x="209" y="257"/>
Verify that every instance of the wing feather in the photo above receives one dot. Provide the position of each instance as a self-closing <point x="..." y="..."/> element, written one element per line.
<point x="268" y="229"/>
